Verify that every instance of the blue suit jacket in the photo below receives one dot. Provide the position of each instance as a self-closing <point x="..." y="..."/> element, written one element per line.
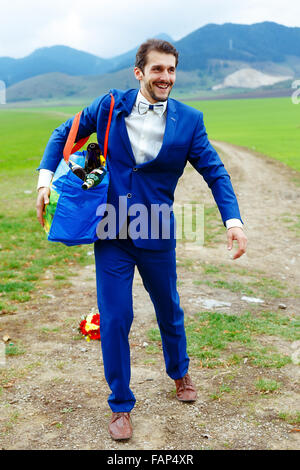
<point x="153" y="182"/>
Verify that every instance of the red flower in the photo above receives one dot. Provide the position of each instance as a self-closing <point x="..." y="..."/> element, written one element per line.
<point x="96" y="319"/>
<point x="85" y="327"/>
<point x="82" y="327"/>
<point x="95" y="334"/>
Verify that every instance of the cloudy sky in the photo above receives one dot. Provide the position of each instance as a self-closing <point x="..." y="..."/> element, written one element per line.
<point x="110" y="27"/>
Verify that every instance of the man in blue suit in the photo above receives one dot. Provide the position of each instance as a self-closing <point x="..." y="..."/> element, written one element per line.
<point x="151" y="139"/>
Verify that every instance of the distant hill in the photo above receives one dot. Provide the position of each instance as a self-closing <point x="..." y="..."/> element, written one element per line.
<point x="206" y="57"/>
<point x="62" y="59"/>
<point x="258" y="42"/>
<point x="212" y="46"/>
<point x="249" y="78"/>
<point x="59" y="85"/>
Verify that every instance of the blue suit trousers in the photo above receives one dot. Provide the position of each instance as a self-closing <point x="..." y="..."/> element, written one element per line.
<point x="115" y="264"/>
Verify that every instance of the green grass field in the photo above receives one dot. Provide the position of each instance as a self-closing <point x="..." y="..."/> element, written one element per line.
<point x="25" y="254"/>
<point x="270" y="126"/>
<point x="24" y="134"/>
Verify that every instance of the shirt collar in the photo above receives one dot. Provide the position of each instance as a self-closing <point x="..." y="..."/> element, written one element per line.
<point x="140" y="97"/>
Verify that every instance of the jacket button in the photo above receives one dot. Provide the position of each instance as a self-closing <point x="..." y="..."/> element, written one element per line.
<point x="129" y="195"/>
<point x="135" y="169"/>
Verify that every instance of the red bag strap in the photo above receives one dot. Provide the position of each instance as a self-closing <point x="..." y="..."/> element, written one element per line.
<point x="112" y="103"/>
<point x="70" y="148"/>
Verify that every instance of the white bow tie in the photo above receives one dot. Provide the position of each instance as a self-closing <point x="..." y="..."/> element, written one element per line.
<point x="144" y="108"/>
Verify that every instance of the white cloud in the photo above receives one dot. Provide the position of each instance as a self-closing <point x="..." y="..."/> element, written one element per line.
<point x="67" y="30"/>
<point x="107" y="28"/>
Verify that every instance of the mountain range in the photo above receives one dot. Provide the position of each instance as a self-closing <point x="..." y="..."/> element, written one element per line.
<point x="207" y="59"/>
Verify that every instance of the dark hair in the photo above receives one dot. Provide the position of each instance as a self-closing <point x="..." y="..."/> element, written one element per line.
<point x="153" y="45"/>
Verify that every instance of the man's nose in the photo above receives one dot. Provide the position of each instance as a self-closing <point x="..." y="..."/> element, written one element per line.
<point x="165" y="75"/>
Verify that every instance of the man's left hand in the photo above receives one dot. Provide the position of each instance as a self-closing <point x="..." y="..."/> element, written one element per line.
<point x="237" y="233"/>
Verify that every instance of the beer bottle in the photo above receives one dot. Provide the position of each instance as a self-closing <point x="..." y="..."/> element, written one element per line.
<point x="94" y="178"/>
<point x="77" y="170"/>
<point x="92" y="158"/>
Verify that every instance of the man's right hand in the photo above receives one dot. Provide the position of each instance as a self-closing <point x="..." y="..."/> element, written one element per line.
<point x="42" y="200"/>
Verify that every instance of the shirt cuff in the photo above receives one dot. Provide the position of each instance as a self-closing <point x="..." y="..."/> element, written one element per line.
<point x="233" y="223"/>
<point x="45" y="178"/>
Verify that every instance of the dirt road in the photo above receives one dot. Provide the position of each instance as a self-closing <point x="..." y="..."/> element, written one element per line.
<point x="54" y="395"/>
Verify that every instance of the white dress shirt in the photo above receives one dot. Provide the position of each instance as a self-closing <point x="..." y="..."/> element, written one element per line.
<point x="146" y="133"/>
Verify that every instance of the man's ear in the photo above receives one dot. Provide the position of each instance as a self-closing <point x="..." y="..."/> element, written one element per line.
<point x="138" y="73"/>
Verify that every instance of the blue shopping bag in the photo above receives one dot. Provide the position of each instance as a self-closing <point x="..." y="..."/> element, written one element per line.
<point x="71" y="217"/>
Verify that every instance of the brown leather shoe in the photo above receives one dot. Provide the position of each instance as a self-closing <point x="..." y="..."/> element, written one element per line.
<point x="120" y="426"/>
<point x="185" y="389"/>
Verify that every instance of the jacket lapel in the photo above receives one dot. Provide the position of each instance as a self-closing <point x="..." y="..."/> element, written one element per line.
<point x="171" y="123"/>
<point x="123" y="110"/>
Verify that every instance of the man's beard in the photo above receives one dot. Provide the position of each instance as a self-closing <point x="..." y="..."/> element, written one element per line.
<point x="154" y="96"/>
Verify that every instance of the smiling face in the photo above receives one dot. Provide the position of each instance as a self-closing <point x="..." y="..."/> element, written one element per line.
<point x="158" y="76"/>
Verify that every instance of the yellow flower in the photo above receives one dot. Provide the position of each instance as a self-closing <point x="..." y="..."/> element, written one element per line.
<point x="89" y="317"/>
<point x="91" y="326"/>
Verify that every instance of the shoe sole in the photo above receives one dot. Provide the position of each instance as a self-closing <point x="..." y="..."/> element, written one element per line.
<point x="120" y="438"/>
<point x="187" y="401"/>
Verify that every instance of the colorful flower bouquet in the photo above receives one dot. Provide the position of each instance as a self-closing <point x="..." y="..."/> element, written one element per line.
<point x="90" y="326"/>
